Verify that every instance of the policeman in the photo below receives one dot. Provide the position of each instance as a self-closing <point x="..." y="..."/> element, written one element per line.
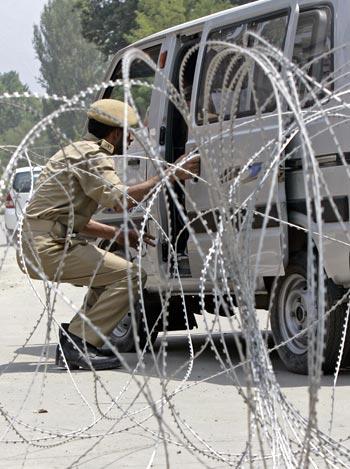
<point x="74" y="182"/>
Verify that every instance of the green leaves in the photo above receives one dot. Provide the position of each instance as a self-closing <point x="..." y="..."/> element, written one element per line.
<point x="106" y="23"/>
<point x="69" y="63"/>
<point x="154" y="15"/>
<point x="112" y="24"/>
<point x="17" y="115"/>
<point x="199" y="8"/>
<point x="10" y="115"/>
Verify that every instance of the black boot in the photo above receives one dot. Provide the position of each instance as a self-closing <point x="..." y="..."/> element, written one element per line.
<point x="76" y="356"/>
<point x="62" y="338"/>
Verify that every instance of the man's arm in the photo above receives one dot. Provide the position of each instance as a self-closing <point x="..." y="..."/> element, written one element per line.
<point x="100" y="230"/>
<point x="139" y="191"/>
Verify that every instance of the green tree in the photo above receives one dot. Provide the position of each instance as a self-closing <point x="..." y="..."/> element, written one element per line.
<point x="10" y="116"/>
<point x="155" y="15"/>
<point x="69" y="63"/>
<point x="18" y="115"/>
<point x="199" y="8"/>
<point x="106" y="23"/>
<point x="112" y="24"/>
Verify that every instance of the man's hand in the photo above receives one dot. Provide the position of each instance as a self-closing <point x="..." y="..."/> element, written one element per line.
<point x="99" y="230"/>
<point x="134" y="238"/>
<point x="189" y="169"/>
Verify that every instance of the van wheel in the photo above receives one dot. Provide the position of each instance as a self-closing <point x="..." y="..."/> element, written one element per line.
<point x="289" y="317"/>
<point x="123" y="337"/>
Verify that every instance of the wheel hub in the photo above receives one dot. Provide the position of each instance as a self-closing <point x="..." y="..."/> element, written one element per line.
<point x="300" y="313"/>
<point x="293" y="311"/>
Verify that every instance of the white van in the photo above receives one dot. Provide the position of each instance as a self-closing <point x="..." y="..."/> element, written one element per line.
<point x="305" y="31"/>
<point x="18" y="195"/>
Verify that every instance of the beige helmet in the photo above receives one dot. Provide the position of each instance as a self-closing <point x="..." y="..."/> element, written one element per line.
<point x="111" y="112"/>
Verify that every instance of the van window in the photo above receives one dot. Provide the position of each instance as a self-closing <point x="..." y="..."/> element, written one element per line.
<point x="230" y="83"/>
<point x="139" y="71"/>
<point x="23" y="181"/>
<point x="314" y="39"/>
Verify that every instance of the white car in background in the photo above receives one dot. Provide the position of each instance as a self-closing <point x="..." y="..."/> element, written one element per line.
<point x="18" y="195"/>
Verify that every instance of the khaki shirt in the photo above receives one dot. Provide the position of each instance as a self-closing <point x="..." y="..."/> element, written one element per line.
<point x="74" y="182"/>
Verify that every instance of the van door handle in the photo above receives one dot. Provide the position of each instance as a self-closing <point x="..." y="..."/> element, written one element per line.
<point x="162" y="134"/>
<point x="134" y="162"/>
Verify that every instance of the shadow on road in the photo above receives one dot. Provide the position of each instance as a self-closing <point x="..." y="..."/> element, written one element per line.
<point x="206" y="365"/>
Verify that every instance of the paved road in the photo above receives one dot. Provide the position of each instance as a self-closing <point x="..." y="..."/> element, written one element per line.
<point x="211" y="405"/>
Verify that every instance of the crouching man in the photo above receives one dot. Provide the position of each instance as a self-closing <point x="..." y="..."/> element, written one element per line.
<point x="74" y="182"/>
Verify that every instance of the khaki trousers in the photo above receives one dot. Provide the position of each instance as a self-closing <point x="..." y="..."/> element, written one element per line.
<point x="84" y="264"/>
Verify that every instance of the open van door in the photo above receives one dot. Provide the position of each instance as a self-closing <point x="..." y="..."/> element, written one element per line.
<point x="134" y="169"/>
<point x="236" y="141"/>
<point x="170" y="132"/>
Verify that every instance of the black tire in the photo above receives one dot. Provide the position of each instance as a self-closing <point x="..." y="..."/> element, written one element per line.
<point x="289" y="313"/>
<point x="123" y="337"/>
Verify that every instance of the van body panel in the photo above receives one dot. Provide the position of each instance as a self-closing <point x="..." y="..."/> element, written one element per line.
<point x="248" y="138"/>
<point x="251" y="133"/>
<point x="336" y="254"/>
<point x="335" y="247"/>
<point x="326" y="127"/>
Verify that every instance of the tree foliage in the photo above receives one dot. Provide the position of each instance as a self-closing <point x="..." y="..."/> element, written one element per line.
<point x="199" y="8"/>
<point x="107" y="22"/>
<point x="69" y="63"/>
<point x="10" y="115"/>
<point x="18" y="115"/>
<point x="155" y="15"/>
<point x="112" y="24"/>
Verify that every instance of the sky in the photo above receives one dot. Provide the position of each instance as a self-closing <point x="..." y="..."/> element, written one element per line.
<point x="17" y="18"/>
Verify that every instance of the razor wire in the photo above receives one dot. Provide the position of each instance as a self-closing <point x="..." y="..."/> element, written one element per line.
<point x="222" y="237"/>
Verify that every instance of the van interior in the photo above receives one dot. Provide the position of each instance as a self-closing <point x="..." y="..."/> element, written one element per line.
<point x="176" y="139"/>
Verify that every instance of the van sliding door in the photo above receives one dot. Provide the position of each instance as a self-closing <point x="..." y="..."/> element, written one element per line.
<point x="237" y="126"/>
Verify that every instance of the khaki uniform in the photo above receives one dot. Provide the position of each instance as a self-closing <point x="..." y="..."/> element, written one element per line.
<point x="74" y="182"/>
